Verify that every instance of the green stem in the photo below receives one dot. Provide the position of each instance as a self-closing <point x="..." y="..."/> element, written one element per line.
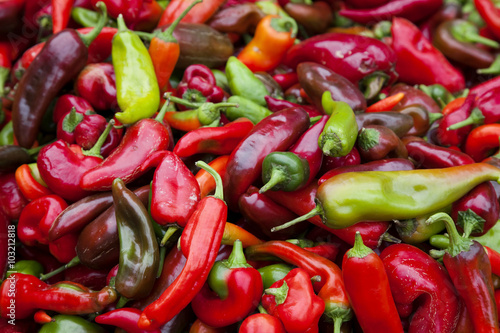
<point x="237" y="257"/>
<point x="96" y="149"/>
<point x="279" y="293"/>
<point x="493" y="69"/>
<point x="168" y="34"/>
<point x="277" y="177"/>
<point x="359" y="249"/>
<point x="433" y="116"/>
<point x="285" y="24"/>
<point x="219" y="192"/>
<point x="170" y="231"/>
<point x="185" y="103"/>
<point x="145" y="35"/>
<point x="476" y="117"/>
<point x="315" y="211"/>
<point x="458" y="244"/>
<point x="121" y="302"/>
<point x="164" y="108"/>
<point x="75" y="261"/>
<point x="163" y="253"/>
<point x="88" y="38"/>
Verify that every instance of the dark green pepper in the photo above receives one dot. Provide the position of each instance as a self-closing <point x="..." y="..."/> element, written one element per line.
<point x="66" y="323"/>
<point x="30" y="267"/>
<point x="341" y="129"/>
<point x="283" y="171"/>
<point x="139" y="253"/>
<point x="247" y="109"/>
<point x="272" y="273"/>
<point x="244" y="83"/>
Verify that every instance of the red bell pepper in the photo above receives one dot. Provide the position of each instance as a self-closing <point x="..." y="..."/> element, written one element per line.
<point x="418" y="62"/>
<point x="63" y="297"/>
<point x="30" y="183"/>
<point x="12" y="200"/>
<point x="200" y="242"/>
<point x="66" y="102"/>
<point x="237" y="289"/>
<point x="293" y="301"/>
<point x="365" y="277"/>
<point x="482" y="141"/>
<point x="124" y="318"/>
<point x="470" y="270"/>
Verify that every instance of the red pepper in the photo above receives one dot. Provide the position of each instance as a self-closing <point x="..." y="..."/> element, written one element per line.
<point x="237" y="289"/>
<point x="484" y="87"/>
<point x="175" y="191"/>
<point x="207" y="182"/>
<point x="482" y="140"/>
<point x="100" y="48"/>
<point x="63" y="297"/>
<point x="418" y="61"/>
<point x="5" y="67"/>
<point x="411" y="10"/>
<point x="97" y="84"/>
<point x="386" y="104"/>
<point x="276" y="132"/>
<point x="91" y="278"/>
<point x="66" y="102"/>
<point x="261" y="322"/>
<point x="490" y="14"/>
<point x="128" y="8"/>
<point x="332" y="162"/>
<point x="213" y="140"/>
<point x="274" y="104"/>
<point x="330" y="287"/>
<point x="61" y="12"/>
<point x="494" y="257"/>
<point x="200" y="242"/>
<point x="233" y="232"/>
<point x="12" y="200"/>
<point x="413" y="274"/>
<point x="30" y="187"/>
<point x="470" y="270"/>
<point x="199" y="15"/>
<point x="367" y="286"/>
<point x="293" y="301"/>
<point x="455" y="137"/>
<point x="124" y="318"/>
<point x="10" y="15"/>
<point x="285" y="80"/>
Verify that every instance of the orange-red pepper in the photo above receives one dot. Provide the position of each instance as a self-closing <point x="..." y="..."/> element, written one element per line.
<point x="207" y="182"/>
<point x="30" y="186"/>
<point x="482" y="140"/>
<point x="199" y="15"/>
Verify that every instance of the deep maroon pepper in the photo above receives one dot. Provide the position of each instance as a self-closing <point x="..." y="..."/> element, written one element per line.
<point x="413" y="96"/>
<point x="412" y="10"/>
<point x="390" y="164"/>
<point x="457" y="137"/>
<point x="315" y="17"/>
<point x="91" y="278"/>
<point x="61" y="59"/>
<point x="10" y="15"/>
<point x="479" y="208"/>
<point x="12" y="201"/>
<point x="97" y="84"/>
<point x="399" y="123"/>
<point x="274" y="104"/>
<point x="98" y="244"/>
<point x="266" y="214"/>
<point x="376" y="142"/>
<point x="430" y="156"/>
<point x="315" y="79"/>
<point x="422" y="119"/>
<point x="241" y="18"/>
<point x="66" y="102"/>
<point x="413" y="274"/>
<point x="276" y="132"/>
<point x="352" y="56"/>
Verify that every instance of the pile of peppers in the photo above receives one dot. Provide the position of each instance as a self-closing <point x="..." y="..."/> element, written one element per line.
<point x="249" y="166"/>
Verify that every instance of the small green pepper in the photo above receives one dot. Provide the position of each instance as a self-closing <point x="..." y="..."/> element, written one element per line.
<point x="341" y="129"/>
<point x="7" y="134"/>
<point x="244" y="83"/>
<point x="284" y="171"/>
<point x="416" y="231"/>
<point x="137" y="90"/>
<point x="247" y="109"/>
<point x="272" y="273"/>
<point x="66" y="323"/>
<point x="221" y="79"/>
<point x="30" y="267"/>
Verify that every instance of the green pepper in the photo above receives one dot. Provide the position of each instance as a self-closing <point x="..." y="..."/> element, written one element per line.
<point x="244" y="83"/>
<point x="66" y="323"/>
<point x="416" y="230"/>
<point x="341" y="129"/>
<point x="87" y="18"/>
<point x="221" y="79"/>
<point x="7" y="134"/>
<point x="272" y="273"/>
<point x="439" y="93"/>
<point x="139" y="253"/>
<point x="137" y="90"/>
<point x="30" y="267"/>
<point x="284" y="171"/>
<point x="247" y="109"/>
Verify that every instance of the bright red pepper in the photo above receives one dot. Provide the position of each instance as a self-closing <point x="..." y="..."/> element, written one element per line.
<point x="100" y="48"/>
<point x="482" y="141"/>
<point x="125" y="318"/>
<point x="368" y="289"/>
<point x="293" y="301"/>
<point x="66" y="102"/>
<point x="238" y="289"/>
<point x="490" y="14"/>
<point x="274" y="104"/>
<point x="30" y="186"/>
<point x="455" y="137"/>
<point x="97" y="84"/>
<point x="61" y="12"/>
<point x="418" y="61"/>
<point x="199" y="15"/>
<point x="128" y="8"/>
<point x="261" y="322"/>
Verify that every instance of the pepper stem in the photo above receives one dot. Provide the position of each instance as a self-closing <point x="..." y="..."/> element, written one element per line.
<point x="163" y="253"/>
<point x="337" y="325"/>
<point x="73" y="262"/>
<point x="279" y="293"/>
<point x="373" y="83"/>
<point x="121" y="302"/>
<point x="168" y="34"/>
<point x="185" y="103"/>
<point x="277" y="177"/>
<point x="476" y="117"/>
<point x="164" y="108"/>
<point x="285" y="24"/>
<point x="209" y="112"/>
<point x="219" y="193"/>
<point x="4" y="74"/>
<point x="96" y="149"/>
<point x="71" y="120"/>
<point x="433" y="116"/>
<point x="470" y="222"/>
<point x="458" y="243"/>
<point x="493" y="69"/>
<point x="359" y="249"/>
<point x="237" y="257"/>
<point x="103" y="19"/>
<point x="170" y="231"/>
<point x="315" y="211"/>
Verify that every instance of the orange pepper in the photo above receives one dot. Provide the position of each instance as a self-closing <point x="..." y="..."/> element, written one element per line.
<point x="205" y="180"/>
<point x="386" y="104"/>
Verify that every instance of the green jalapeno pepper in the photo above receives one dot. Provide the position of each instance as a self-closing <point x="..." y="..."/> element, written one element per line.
<point x="137" y="90"/>
<point x="244" y="83"/>
<point x="247" y="109"/>
<point x="30" y="267"/>
<point x="66" y="323"/>
<point x="272" y="273"/>
<point x="284" y="171"/>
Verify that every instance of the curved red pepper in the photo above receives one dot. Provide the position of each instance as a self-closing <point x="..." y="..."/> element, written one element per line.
<point x="100" y="48"/>
<point x="125" y="318"/>
<point x="418" y="62"/>
<point x="274" y="104"/>
<point x="12" y="200"/>
<point x="414" y="274"/>
<point x="61" y="12"/>
<point x="449" y="137"/>
<point x="482" y="141"/>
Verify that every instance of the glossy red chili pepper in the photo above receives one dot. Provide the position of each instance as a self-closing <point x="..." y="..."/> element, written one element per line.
<point x="12" y="200"/>
<point x="207" y="182"/>
<point x="478" y="211"/>
<point x="215" y="140"/>
<point x="100" y="48"/>
<point x="414" y="274"/>
<point x="199" y="14"/>
<point x="482" y="141"/>
<point x="414" y="51"/>
<point x="490" y="15"/>
<point x="91" y="278"/>
<point x="236" y="291"/>
<point x="30" y="183"/>
<point x="274" y="104"/>
<point x="285" y="80"/>
<point x="351" y="56"/>
<point x="125" y="318"/>
<point x="261" y="322"/>
<point x="484" y="87"/>
<point x="63" y="297"/>
<point x="365" y="277"/>
<point x="326" y="250"/>
<point x="61" y="12"/>
<point x="494" y="257"/>
<point x="449" y="137"/>
<point x="276" y="132"/>
<point x="200" y="242"/>
<point x="149" y="16"/>
<point x="293" y="301"/>
<point x="96" y="83"/>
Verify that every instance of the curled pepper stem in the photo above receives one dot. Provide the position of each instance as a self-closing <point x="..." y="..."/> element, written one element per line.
<point x="185" y="103"/>
<point x="164" y="108"/>
<point x="433" y="116"/>
<point x="458" y="243"/>
<point x="318" y="210"/>
<point x="237" y="257"/>
<point x="285" y="24"/>
<point x="73" y="262"/>
<point x="219" y="194"/>
<point x="96" y="149"/>
<point x="168" y="34"/>
<point x="493" y="69"/>
<point x="103" y="19"/>
<point x="278" y="176"/>
<point x="279" y="293"/>
<point x="170" y="231"/>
